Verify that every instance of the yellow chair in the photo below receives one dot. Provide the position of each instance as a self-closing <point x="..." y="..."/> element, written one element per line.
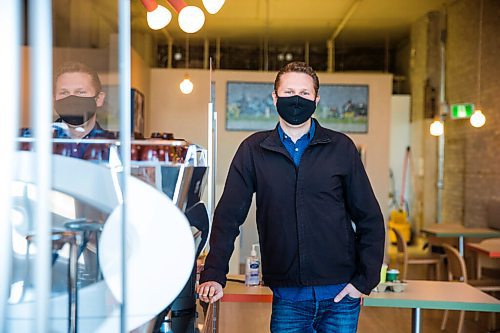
<point x="457" y="271"/>
<point x="403" y="256"/>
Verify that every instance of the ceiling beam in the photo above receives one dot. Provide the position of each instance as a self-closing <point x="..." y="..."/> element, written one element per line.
<point x="330" y="43"/>
<point x="346" y="18"/>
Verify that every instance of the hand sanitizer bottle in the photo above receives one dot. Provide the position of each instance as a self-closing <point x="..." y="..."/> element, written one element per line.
<point x="252" y="268"/>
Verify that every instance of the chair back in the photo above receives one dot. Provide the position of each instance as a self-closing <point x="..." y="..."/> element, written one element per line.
<point x="492" y="214"/>
<point x="402" y="249"/>
<point x="457" y="270"/>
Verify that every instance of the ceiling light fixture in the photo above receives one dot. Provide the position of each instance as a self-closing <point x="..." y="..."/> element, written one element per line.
<point x="186" y="86"/>
<point x="191" y="18"/>
<point x="213" y="6"/>
<point x="437" y="127"/>
<point x="158" y="17"/>
<point x="478" y="119"/>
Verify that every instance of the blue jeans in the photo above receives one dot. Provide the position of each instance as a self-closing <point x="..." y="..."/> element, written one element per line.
<point x="315" y="316"/>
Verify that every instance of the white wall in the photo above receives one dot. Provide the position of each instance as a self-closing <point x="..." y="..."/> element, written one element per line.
<point x="186" y="117"/>
<point x="400" y="139"/>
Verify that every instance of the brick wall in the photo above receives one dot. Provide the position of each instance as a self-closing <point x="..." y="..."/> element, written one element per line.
<point x="472" y="156"/>
<point x="424" y="66"/>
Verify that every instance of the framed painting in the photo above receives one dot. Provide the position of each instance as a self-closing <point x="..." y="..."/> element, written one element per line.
<point x="249" y="106"/>
<point x="343" y="108"/>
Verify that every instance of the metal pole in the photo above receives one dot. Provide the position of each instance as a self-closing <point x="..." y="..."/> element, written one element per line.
<point x="306" y="52"/>
<point x="266" y="54"/>
<point x="443" y="110"/>
<point x="331" y="56"/>
<point x="416" y="321"/>
<point x="206" y="51"/>
<point x="210" y="149"/>
<point x="40" y="32"/>
<point x="217" y="53"/>
<point x="72" y="285"/>
<point x="10" y="67"/>
<point x="125" y="140"/>
<point x="169" y="59"/>
<point x="440" y="181"/>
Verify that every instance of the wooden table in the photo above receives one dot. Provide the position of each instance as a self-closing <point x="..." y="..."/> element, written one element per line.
<point x="239" y="292"/>
<point x="489" y="248"/>
<point x="458" y="230"/>
<point x="439" y="295"/>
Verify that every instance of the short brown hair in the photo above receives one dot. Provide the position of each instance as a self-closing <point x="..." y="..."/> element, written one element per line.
<point x="297" y="67"/>
<point x="78" y="67"/>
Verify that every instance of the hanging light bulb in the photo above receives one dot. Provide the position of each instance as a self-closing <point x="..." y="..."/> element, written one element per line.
<point x="191" y="19"/>
<point x="213" y="6"/>
<point x="158" y="17"/>
<point x="186" y="85"/>
<point x="477" y="119"/>
<point x="437" y="127"/>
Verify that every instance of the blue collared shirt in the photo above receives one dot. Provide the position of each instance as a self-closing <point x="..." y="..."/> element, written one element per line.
<point x="79" y="148"/>
<point x="318" y="293"/>
<point x="296" y="149"/>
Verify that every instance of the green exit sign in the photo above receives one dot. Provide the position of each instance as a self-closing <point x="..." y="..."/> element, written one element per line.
<point x="461" y="111"/>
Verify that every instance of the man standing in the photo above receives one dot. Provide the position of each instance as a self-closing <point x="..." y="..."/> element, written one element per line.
<point x="311" y="187"/>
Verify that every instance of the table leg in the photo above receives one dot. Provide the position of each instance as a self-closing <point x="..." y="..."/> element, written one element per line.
<point x="479" y="266"/>
<point x="461" y="245"/>
<point x="416" y="320"/>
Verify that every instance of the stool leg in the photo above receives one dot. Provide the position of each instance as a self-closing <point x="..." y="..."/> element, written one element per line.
<point x="72" y="286"/>
<point x="98" y="268"/>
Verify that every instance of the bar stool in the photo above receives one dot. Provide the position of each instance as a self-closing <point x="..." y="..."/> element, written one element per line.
<point x="81" y="229"/>
<point x="76" y="233"/>
<point x="59" y="237"/>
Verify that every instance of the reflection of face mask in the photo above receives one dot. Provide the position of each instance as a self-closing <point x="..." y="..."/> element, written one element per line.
<point x="295" y="110"/>
<point x="76" y="110"/>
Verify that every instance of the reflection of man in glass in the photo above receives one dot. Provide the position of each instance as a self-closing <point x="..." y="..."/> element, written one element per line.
<point x="77" y="97"/>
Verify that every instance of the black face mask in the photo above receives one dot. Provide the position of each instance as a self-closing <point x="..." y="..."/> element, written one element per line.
<point x="76" y="110"/>
<point x="295" y="110"/>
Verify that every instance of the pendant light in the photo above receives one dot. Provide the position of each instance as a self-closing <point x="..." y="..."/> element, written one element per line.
<point x="191" y="18"/>
<point x="478" y="119"/>
<point x="158" y="17"/>
<point x="437" y="127"/>
<point x="186" y="86"/>
<point x="213" y="6"/>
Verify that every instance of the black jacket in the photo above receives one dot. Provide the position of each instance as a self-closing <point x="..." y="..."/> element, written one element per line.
<point x="303" y="213"/>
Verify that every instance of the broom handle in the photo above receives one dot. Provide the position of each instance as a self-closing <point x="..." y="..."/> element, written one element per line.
<point x="403" y="182"/>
